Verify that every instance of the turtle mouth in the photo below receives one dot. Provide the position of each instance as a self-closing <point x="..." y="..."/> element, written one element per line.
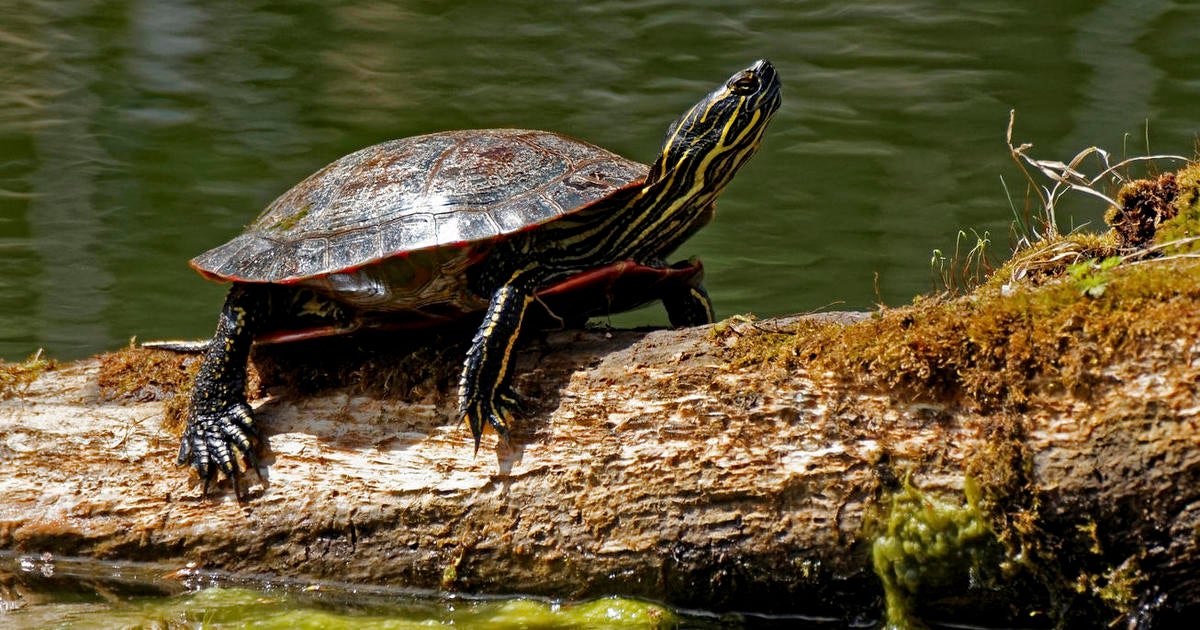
<point x="770" y="85"/>
<point x="763" y="68"/>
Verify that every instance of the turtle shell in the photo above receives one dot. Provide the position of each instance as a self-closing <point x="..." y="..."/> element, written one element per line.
<point x="455" y="190"/>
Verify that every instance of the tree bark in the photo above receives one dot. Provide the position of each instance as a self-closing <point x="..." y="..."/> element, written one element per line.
<point x="670" y="465"/>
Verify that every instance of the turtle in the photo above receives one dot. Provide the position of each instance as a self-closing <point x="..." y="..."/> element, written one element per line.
<point x="439" y="227"/>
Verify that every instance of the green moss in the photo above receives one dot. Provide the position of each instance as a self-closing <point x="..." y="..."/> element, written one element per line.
<point x="998" y="353"/>
<point x="15" y="378"/>
<point x="927" y="546"/>
<point x="1188" y="197"/>
<point x="1000" y="470"/>
<point x="1047" y="260"/>
<point x="1091" y="276"/>
<point x="760" y="346"/>
<point x="450" y="574"/>
<point x="1121" y="586"/>
<point x="1006" y="342"/>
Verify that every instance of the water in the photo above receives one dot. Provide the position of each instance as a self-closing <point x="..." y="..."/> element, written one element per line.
<point x="134" y="135"/>
<point x="86" y="593"/>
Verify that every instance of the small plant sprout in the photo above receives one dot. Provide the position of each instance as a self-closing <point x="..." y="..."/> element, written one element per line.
<point x="963" y="271"/>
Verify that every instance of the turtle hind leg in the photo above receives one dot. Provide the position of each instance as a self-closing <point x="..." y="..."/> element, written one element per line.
<point x="221" y="433"/>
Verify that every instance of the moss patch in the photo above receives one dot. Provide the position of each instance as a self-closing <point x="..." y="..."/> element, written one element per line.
<point x="1120" y="587"/>
<point x="142" y="375"/>
<point x="1002" y="345"/>
<point x="387" y="365"/>
<point x="145" y="375"/>
<point x="1144" y="204"/>
<point x="998" y="353"/>
<point x="15" y="378"/>
<point x="1175" y="235"/>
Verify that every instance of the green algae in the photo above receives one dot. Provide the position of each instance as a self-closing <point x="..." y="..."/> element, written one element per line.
<point x="288" y="222"/>
<point x="928" y="545"/>
<point x="222" y="608"/>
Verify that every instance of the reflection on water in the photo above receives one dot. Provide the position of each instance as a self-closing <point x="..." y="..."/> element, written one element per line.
<point x="65" y="226"/>
<point x="1120" y="78"/>
<point x="134" y="135"/>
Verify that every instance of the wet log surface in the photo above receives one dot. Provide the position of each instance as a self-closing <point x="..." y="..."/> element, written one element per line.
<point x="663" y="464"/>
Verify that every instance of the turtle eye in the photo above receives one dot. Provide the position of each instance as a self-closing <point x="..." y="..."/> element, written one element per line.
<point x="744" y="85"/>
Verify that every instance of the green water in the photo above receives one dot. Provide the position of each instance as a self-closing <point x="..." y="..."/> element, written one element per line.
<point x="134" y="135"/>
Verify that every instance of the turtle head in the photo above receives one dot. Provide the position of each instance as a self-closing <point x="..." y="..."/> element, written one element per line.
<point x="712" y="140"/>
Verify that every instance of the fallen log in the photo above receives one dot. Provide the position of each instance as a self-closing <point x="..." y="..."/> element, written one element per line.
<point x="802" y="464"/>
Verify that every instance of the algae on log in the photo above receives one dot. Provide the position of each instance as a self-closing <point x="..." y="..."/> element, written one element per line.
<point x="688" y="466"/>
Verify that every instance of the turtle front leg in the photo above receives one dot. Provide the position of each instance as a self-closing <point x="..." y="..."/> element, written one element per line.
<point x="688" y="306"/>
<point x="221" y="432"/>
<point x="687" y="303"/>
<point x="483" y="391"/>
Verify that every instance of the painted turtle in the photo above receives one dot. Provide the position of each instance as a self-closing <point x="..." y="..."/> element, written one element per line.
<point x="435" y="227"/>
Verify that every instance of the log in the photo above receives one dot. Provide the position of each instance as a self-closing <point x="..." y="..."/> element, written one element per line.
<point x="721" y="467"/>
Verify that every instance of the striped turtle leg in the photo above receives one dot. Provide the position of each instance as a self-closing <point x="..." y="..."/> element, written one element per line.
<point x="687" y="302"/>
<point x="483" y="392"/>
<point x="220" y="428"/>
<point x="688" y="305"/>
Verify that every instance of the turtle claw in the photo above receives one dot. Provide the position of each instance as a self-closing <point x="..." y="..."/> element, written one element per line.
<point x="496" y="412"/>
<point x="220" y="443"/>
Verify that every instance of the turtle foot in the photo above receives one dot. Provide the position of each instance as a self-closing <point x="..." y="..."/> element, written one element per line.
<point x="221" y="443"/>
<point x="495" y="410"/>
